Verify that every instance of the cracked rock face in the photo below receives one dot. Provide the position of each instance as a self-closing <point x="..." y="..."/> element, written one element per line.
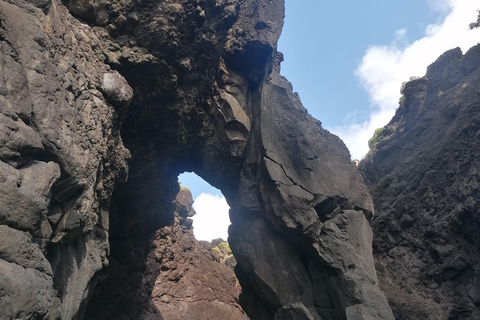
<point x="287" y="215"/>
<point x="186" y="85"/>
<point x="423" y="176"/>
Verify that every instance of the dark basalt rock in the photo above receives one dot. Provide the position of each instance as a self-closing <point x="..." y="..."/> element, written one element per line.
<point x="191" y="87"/>
<point x="56" y="129"/>
<point x="423" y="176"/>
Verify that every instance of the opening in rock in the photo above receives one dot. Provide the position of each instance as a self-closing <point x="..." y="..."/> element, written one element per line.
<point x="211" y="220"/>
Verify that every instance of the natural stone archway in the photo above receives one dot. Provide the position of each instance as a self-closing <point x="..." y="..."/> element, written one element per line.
<point x="194" y="90"/>
<point x="299" y="208"/>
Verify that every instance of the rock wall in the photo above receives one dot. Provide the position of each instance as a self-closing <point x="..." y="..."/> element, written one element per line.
<point x="191" y="86"/>
<point x="423" y="174"/>
<point x="61" y="156"/>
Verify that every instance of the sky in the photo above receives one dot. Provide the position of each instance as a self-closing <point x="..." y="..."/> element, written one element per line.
<point x="348" y="61"/>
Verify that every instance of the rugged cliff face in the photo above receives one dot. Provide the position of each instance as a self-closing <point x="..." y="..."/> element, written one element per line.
<point x="61" y="156"/>
<point x="192" y="87"/>
<point x="424" y="179"/>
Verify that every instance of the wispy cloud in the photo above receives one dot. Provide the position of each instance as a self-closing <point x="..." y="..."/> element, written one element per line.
<point x="211" y="220"/>
<point x="385" y="67"/>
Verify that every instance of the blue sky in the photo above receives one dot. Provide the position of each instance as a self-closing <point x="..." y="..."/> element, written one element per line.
<point x="325" y="44"/>
<point x="347" y="61"/>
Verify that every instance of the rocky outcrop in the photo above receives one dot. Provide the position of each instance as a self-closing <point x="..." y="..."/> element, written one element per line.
<point x="193" y="86"/>
<point x="61" y="156"/>
<point x="423" y="175"/>
<point x="189" y="279"/>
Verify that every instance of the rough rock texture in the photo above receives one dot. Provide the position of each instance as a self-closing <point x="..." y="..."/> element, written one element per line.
<point x="189" y="279"/>
<point x="60" y="157"/>
<point x="301" y="208"/>
<point x="192" y="86"/>
<point x="424" y="177"/>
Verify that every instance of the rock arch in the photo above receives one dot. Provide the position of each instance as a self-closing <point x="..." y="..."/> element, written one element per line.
<point x="299" y="208"/>
<point x="201" y="94"/>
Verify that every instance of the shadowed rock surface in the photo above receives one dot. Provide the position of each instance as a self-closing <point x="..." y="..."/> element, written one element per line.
<point x="423" y="175"/>
<point x="193" y="86"/>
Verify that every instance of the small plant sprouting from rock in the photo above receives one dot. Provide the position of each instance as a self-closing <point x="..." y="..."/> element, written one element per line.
<point x="224" y="248"/>
<point x="183" y="188"/>
<point x="402" y="88"/>
<point x="224" y="254"/>
<point x="99" y="54"/>
<point x="372" y="143"/>
<point x="402" y="97"/>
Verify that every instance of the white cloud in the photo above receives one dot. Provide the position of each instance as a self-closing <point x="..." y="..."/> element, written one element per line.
<point x="211" y="220"/>
<point x="385" y="67"/>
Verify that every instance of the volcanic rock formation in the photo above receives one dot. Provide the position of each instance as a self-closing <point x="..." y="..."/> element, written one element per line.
<point x="424" y="177"/>
<point x="188" y="279"/>
<point x="192" y="86"/>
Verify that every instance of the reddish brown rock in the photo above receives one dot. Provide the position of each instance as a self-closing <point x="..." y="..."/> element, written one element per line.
<point x="190" y="278"/>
